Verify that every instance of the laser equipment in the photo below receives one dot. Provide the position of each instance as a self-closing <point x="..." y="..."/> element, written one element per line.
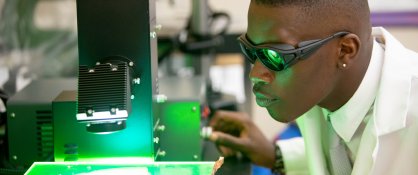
<point x="115" y="111"/>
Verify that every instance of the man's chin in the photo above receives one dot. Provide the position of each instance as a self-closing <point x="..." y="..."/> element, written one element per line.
<point x="278" y="117"/>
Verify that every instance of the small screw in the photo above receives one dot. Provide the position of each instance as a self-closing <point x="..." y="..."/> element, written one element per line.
<point x="156" y="140"/>
<point x="113" y="110"/>
<point x="90" y="111"/>
<point x="153" y="34"/>
<point x="132" y="97"/>
<point x="131" y="63"/>
<point x="161" y="153"/>
<point x="161" y="127"/>
<point x="14" y="157"/>
<point x="194" y="108"/>
<point x="195" y="156"/>
<point x="114" y="69"/>
<point x="137" y="80"/>
<point x="161" y="98"/>
<point x="91" y="70"/>
<point x="13" y="115"/>
<point x="97" y="63"/>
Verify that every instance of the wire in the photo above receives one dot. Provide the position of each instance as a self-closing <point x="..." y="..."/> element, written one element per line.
<point x="3" y="97"/>
<point x="190" y="42"/>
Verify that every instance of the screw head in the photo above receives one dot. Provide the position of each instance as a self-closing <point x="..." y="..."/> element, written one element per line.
<point x="194" y="108"/>
<point x="156" y="140"/>
<point x="161" y="153"/>
<point x="14" y="157"/>
<point x="161" y="98"/>
<point x="132" y="97"/>
<point x="131" y="63"/>
<point x="161" y="128"/>
<point x="153" y="34"/>
<point x="137" y="80"/>
<point x="13" y="115"/>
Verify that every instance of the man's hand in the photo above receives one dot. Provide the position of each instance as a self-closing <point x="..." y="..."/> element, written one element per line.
<point x="234" y="131"/>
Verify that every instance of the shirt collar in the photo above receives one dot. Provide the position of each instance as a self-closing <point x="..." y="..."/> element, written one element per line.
<point x="348" y="118"/>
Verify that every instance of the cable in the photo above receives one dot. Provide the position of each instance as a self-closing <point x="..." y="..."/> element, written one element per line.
<point x="3" y="114"/>
<point x="190" y="42"/>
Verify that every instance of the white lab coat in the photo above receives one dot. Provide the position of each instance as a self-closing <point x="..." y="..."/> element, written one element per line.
<point x="389" y="143"/>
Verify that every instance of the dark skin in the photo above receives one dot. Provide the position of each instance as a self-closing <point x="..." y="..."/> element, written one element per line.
<point x="328" y="78"/>
<point x="236" y="130"/>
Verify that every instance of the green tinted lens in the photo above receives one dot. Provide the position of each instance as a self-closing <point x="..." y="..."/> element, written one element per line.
<point x="273" y="59"/>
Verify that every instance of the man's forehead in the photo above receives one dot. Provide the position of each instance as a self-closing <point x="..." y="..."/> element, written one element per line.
<point x="273" y="25"/>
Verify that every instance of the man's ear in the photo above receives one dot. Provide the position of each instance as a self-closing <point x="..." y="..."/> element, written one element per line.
<point x="349" y="49"/>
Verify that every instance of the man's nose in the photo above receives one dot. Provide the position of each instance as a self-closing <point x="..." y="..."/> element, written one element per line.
<point x="261" y="74"/>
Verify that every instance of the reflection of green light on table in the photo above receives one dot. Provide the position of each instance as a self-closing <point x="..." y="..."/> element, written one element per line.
<point x="93" y="168"/>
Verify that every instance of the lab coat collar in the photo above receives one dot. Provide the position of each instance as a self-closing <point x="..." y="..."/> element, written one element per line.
<point x="392" y="98"/>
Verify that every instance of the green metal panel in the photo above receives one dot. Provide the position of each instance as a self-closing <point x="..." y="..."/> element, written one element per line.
<point x="153" y="168"/>
<point x="180" y="116"/>
<point x="22" y="134"/>
<point x="29" y="124"/>
<point x="180" y="139"/>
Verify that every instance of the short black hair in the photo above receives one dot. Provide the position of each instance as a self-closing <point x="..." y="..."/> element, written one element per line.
<point x="315" y="4"/>
<point x="353" y="12"/>
<point x="287" y="2"/>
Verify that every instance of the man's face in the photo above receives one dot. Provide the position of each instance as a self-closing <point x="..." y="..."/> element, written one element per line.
<point x="291" y="92"/>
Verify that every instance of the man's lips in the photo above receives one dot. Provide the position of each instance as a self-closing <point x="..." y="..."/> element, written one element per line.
<point x="262" y="99"/>
<point x="265" y="102"/>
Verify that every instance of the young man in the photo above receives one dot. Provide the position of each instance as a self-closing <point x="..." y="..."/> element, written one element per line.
<point x="352" y="89"/>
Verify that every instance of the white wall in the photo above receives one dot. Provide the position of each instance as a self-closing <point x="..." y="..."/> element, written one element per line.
<point x="408" y="36"/>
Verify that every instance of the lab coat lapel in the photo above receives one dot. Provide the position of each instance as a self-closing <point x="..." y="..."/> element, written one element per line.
<point x="391" y="108"/>
<point x="395" y="77"/>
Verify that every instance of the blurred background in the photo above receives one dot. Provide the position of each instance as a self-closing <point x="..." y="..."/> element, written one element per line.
<point x="38" y="39"/>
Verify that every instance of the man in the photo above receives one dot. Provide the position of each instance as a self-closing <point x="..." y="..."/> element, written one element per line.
<point x="353" y="91"/>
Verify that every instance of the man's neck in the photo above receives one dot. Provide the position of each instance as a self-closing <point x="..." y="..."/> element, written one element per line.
<point x="349" y="80"/>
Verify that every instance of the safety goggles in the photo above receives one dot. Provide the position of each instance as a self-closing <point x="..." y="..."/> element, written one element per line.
<point x="277" y="57"/>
